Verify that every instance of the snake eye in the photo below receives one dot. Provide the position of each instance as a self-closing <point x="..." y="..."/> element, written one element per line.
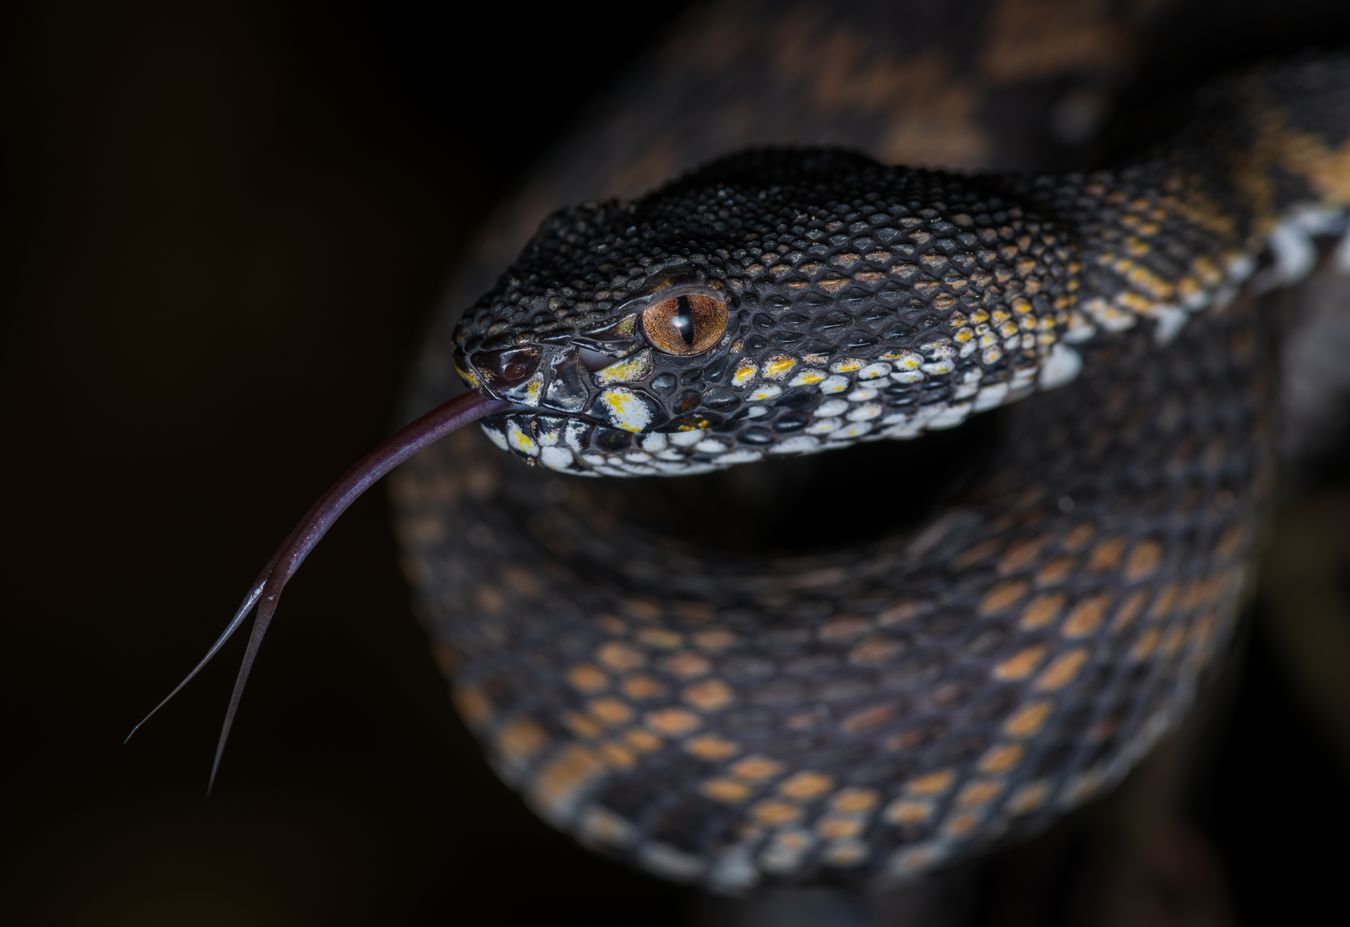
<point x="686" y="324"/>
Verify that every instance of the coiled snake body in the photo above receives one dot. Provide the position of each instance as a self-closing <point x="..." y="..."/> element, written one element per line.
<point x="765" y="676"/>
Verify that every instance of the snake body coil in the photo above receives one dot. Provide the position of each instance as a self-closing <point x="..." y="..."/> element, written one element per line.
<point x="857" y="693"/>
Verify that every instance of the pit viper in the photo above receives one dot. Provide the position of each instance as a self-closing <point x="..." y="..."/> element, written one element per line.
<point x="770" y="675"/>
<point x="926" y="496"/>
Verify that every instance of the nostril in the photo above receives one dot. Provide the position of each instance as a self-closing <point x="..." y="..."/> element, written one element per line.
<point x="517" y="370"/>
<point x="506" y="367"/>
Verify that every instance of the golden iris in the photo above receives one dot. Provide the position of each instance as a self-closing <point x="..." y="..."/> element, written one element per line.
<point x="687" y="324"/>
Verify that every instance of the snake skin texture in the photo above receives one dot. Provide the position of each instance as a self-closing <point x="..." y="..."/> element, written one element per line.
<point x="778" y="675"/>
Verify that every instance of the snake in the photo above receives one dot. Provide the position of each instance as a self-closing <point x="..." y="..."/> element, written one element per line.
<point x="923" y="499"/>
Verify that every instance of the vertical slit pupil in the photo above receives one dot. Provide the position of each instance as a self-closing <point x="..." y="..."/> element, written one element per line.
<point x="683" y="320"/>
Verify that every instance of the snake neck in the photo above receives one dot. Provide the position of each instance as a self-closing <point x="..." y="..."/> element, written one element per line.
<point x="1259" y="172"/>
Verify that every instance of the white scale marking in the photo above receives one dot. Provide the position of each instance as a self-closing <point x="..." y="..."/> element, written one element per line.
<point x="950" y="416"/>
<point x="1295" y="257"/>
<point x="991" y="396"/>
<point x="740" y="457"/>
<point x="1169" y="320"/>
<point x="1060" y="367"/>
<point x="798" y="444"/>
<point x="687" y="438"/>
<point x="556" y="458"/>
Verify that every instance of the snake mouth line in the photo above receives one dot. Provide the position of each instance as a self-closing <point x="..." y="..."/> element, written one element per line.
<point x="522" y="410"/>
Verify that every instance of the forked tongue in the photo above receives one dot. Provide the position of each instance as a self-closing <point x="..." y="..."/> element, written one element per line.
<point x="266" y="589"/>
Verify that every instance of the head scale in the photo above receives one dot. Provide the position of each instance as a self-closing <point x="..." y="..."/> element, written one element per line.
<point x="776" y="302"/>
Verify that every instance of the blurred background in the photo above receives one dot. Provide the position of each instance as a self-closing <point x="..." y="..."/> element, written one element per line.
<point x="230" y="223"/>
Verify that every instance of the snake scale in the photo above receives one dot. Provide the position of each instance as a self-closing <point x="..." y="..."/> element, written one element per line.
<point x="837" y="685"/>
<point x="793" y="667"/>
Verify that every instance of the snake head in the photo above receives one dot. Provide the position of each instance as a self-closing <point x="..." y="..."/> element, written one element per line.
<point x="776" y="302"/>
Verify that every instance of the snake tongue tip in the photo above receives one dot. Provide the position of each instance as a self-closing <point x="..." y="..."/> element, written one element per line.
<point x="266" y="590"/>
<point x="236" y="621"/>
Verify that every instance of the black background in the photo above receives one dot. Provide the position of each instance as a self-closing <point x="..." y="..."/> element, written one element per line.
<point x="229" y="227"/>
<point x="233" y="222"/>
